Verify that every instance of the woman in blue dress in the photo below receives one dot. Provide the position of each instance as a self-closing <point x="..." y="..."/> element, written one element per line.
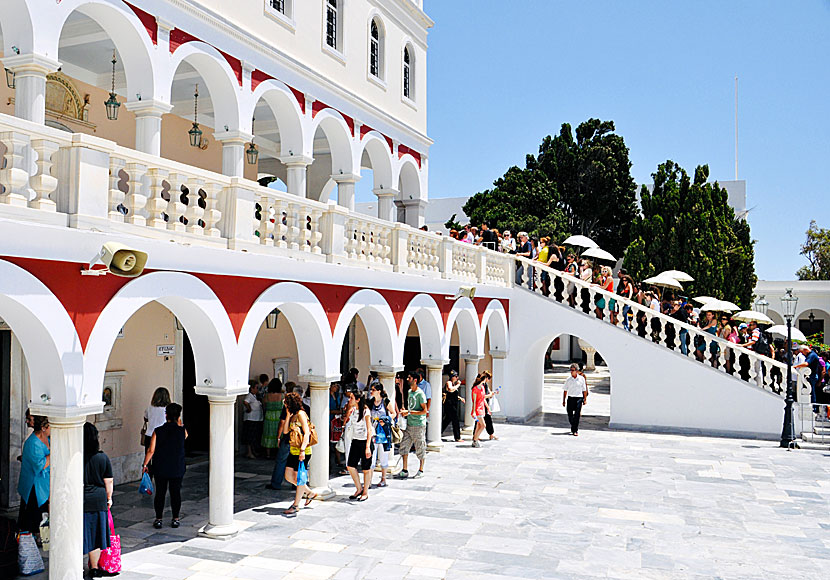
<point x="33" y="485"/>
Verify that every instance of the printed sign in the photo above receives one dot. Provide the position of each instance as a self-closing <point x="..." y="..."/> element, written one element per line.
<point x="165" y="350"/>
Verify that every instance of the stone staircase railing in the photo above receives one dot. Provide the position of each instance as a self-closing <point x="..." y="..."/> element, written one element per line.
<point x="659" y="328"/>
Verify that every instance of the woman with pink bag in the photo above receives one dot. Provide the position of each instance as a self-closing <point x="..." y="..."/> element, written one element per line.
<point x="98" y="486"/>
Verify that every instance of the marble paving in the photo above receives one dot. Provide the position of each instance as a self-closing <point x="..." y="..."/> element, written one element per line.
<point x="537" y="503"/>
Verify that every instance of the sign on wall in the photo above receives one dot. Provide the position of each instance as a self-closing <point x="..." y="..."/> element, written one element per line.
<point x="165" y="350"/>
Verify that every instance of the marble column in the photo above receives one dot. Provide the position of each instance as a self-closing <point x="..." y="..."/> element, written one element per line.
<point x="386" y="203"/>
<point x="30" y="72"/>
<point x="66" y="495"/>
<point x="345" y="189"/>
<point x="233" y="151"/>
<point x="220" y="478"/>
<point x="319" y="465"/>
<point x="148" y="116"/>
<point x="470" y="374"/>
<point x="435" y="378"/>
<point x="296" y="168"/>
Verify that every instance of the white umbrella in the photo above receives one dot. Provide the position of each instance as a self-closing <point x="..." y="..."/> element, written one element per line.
<point x="664" y="282"/>
<point x="581" y="242"/>
<point x="781" y="330"/>
<point x="719" y="306"/>
<point x="677" y="275"/>
<point x="703" y="299"/>
<point x="751" y="315"/>
<point x="599" y="254"/>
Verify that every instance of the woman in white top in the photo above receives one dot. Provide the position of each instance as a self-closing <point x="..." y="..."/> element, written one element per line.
<point x="574" y="397"/>
<point x="154" y="417"/>
<point x="360" y="452"/>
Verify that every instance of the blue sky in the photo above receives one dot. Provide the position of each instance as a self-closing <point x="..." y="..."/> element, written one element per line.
<point x="502" y="75"/>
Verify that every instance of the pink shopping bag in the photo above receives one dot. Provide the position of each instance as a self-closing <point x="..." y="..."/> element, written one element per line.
<point x="110" y="560"/>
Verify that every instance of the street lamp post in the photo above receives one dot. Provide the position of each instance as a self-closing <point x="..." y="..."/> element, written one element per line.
<point x="788" y="305"/>
<point x="761" y="305"/>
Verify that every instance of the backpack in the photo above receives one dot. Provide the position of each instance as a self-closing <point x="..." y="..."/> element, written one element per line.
<point x="762" y="345"/>
<point x="295" y="436"/>
<point x="8" y="549"/>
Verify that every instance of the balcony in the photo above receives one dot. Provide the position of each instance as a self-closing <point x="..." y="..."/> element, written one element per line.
<point x="84" y="182"/>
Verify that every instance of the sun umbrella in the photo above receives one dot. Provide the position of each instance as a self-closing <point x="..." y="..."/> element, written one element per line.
<point x="719" y="306"/>
<point x="664" y="282"/>
<point x="599" y="254"/>
<point x="703" y="299"/>
<point x="581" y="242"/>
<point x="677" y="275"/>
<point x="751" y="315"/>
<point x="781" y="330"/>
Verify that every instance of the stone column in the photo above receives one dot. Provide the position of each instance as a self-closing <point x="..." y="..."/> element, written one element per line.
<point x="499" y="371"/>
<point x="296" y="167"/>
<point x="415" y="211"/>
<point x="435" y="378"/>
<point x="220" y="479"/>
<point x="30" y="72"/>
<point x="386" y="203"/>
<point x="590" y="353"/>
<point x="66" y="519"/>
<point x="233" y="151"/>
<point x="319" y="464"/>
<point x="470" y="374"/>
<point x="345" y="189"/>
<point x="148" y="116"/>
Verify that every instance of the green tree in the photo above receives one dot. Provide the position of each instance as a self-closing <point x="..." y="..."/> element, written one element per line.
<point x="578" y="184"/>
<point x="817" y="251"/>
<point x="689" y="225"/>
<point x="452" y="224"/>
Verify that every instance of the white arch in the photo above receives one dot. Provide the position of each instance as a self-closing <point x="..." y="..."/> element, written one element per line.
<point x="286" y="110"/>
<point x="197" y="308"/>
<point x="379" y="322"/>
<point x="463" y="313"/>
<point x="47" y="336"/>
<point x="308" y="321"/>
<point x="135" y="48"/>
<point x="408" y="178"/>
<point x="427" y="316"/>
<point x="380" y="156"/>
<point x="339" y="137"/>
<point x="220" y="79"/>
<point x="18" y="30"/>
<point x="494" y="320"/>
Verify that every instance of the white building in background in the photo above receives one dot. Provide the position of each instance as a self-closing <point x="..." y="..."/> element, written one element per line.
<point x="813" y="309"/>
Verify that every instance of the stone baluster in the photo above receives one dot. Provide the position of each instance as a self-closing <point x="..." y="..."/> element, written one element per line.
<point x="266" y="226"/>
<point x="156" y="204"/>
<point x="15" y="176"/>
<point x="176" y="208"/>
<point x="280" y="223"/>
<point x="754" y="368"/>
<point x="316" y="234"/>
<point x="350" y="242"/>
<point x="116" y="196"/>
<point x="293" y="227"/>
<point x="306" y="233"/>
<point x="44" y="183"/>
<point x="194" y="211"/>
<point x="212" y="214"/>
<point x="135" y="199"/>
<point x="383" y="245"/>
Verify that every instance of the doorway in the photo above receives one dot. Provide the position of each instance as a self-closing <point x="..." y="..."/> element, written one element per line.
<point x="196" y="408"/>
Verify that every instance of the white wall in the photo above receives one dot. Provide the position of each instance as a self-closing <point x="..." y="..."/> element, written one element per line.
<point x="652" y="386"/>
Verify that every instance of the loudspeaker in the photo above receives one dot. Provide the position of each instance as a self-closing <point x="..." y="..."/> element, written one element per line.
<point x="122" y="260"/>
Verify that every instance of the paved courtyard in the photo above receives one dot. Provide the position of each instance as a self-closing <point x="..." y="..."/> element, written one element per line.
<point x="538" y="503"/>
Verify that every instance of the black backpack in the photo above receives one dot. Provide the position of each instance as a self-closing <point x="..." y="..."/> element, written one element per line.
<point x="8" y="548"/>
<point x="762" y="345"/>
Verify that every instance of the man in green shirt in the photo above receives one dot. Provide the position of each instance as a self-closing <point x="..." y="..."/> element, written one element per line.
<point x="416" y="420"/>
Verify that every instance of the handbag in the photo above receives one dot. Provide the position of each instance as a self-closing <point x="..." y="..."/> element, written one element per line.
<point x="144" y="434"/>
<point x="295" y="437"/>
<point x="28" y="556"/>
<point x="494" y="405"/>
<point x="302" y="474"/>
<point x="397" y="434"/>
<point x="340" y="446"/>
<point x="146" y="485"/>
<point x="110" y="559"/>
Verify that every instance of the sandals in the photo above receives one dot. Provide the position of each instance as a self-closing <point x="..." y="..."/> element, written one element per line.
<point x="292" y="510"/>
<point x="310" y="497"/>
<point x="363" y="497"/>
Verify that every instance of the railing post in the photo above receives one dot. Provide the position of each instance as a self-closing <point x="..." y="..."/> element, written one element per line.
<point x="84" y="180"/>
<point x="400" y="247"/>
<point x="445" y="257"/>
<point x="481" y="264"/>
<point x="334" y="233"/>
<point x="239" y="215"/>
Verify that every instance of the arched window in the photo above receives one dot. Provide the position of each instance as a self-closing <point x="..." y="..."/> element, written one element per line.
<point x="374" y="50"/>
<point x="331" y="24"/>
<point x="278" y="5"/>
<point x="407" y="73"/>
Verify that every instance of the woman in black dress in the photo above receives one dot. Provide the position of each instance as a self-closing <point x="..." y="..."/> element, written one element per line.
<point x="98" y="486"/>
<point x="167" y="452"/>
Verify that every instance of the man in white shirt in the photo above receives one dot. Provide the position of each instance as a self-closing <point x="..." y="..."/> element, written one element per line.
<point x="252" y="422"/>
<point x="574" y="396"/>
